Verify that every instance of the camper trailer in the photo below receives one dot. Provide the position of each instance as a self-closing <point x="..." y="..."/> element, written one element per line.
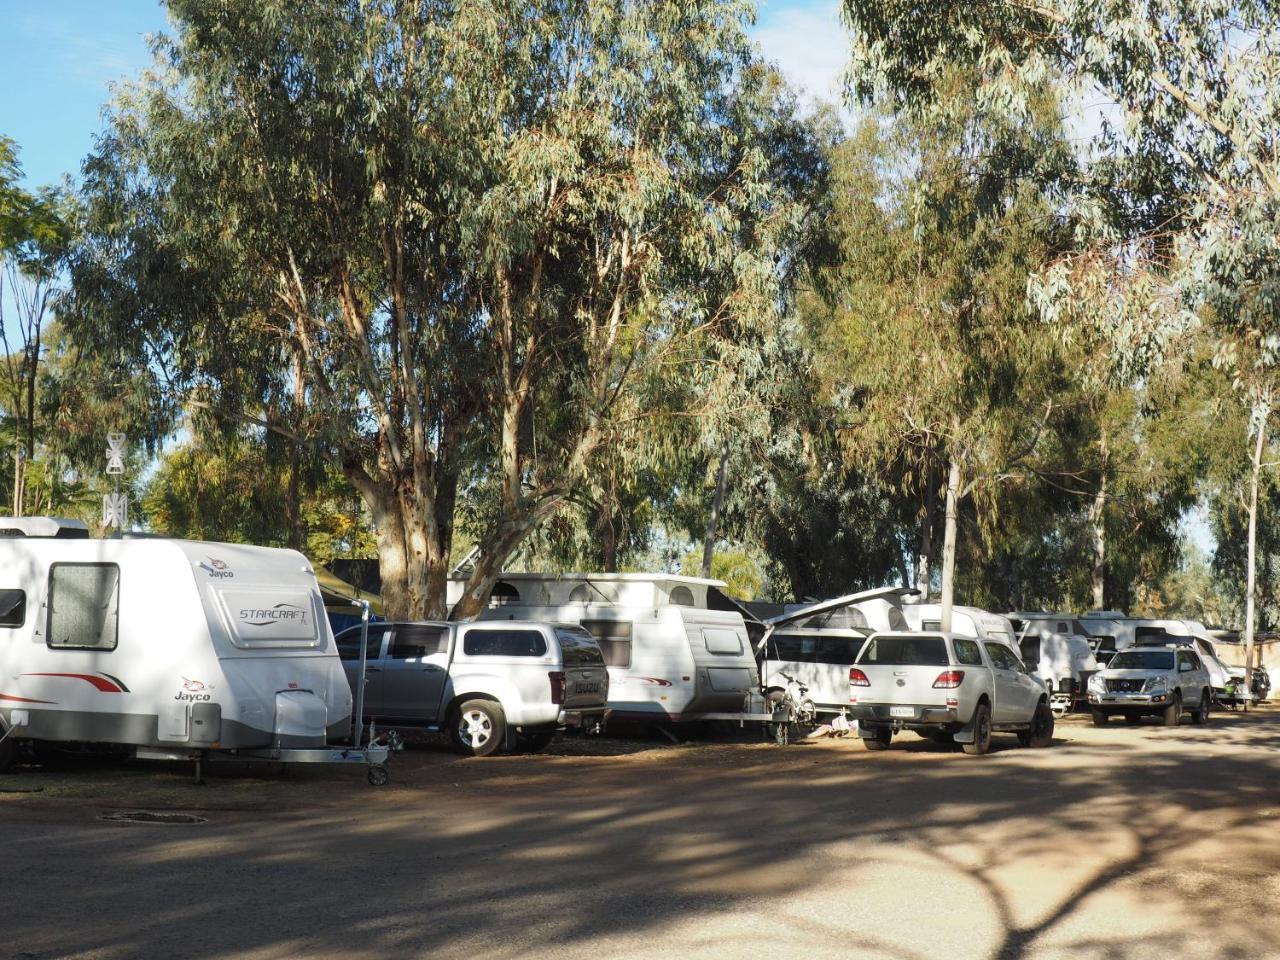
<point x="819" y="649"/>
<point x="168" y="648"/>
<point x="1053" y="650"/>
<point x="965" y="621"/>
<point x="677" y="648"/>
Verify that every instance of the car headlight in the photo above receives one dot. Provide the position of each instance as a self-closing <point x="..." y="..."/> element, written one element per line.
<point x="1097" y="684"/>
<point x="1155" y="685"/>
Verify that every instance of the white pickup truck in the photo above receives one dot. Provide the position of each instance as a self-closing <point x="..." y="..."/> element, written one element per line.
<point x="950" y="689"/>
<point x="491" y="685"/>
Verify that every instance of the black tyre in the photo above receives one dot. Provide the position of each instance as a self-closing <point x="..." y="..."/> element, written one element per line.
<point x="8" y="752"/>
<point x="1100" y="717"/>
<point x="1200" y="714"/>
<point x="883" y="737"/>
<point x="379" y="775"/>
<point x="1173" y="712"/>
<point x="1041" y="732"/>
<point x="534" y="741"/>
<point x="981" y="724"/>
<point x="478" y="729"/>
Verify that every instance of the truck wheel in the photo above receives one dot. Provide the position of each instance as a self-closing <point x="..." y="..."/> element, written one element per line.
<point x="881" y="741"/>
<point x="535" y="741"/>
<point x="1173" y="712"/>
<point x="981" y="724"/>
<point x="479" y="728"/>
<point x="1201" y="713"/>
<point x="8" y="751"/>
<point x="1041" y="732"/>
<point x="1100" y="717"/>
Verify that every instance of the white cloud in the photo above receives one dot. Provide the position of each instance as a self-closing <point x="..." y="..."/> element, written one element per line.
<point x="807" y="41"/>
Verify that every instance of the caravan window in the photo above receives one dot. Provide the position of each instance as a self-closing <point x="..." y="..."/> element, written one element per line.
<point x="1030" y="647"/>
<point x="614" y="638"/>
<point x="84" y="606"/>
<point x="721" y="641"/>
<point x="13" y="608"/>
<point x="798" y="648"/>
<point x="681" y="596"/>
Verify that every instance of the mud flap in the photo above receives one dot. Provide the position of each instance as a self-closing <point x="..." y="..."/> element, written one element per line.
<point x="966" y="733"/>
<point x="867" y="731"/>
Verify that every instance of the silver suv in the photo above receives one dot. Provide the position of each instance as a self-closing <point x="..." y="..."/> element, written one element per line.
<point x="1152" y="681"/>
<point x="491" y="685"/>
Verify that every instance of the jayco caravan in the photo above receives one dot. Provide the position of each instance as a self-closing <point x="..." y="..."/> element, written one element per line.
<point x="168" y="647"/>
<point x="677" y="648"/>
<point x="1057" y="653"/>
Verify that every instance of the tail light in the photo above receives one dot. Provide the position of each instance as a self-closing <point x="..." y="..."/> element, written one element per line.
<point x="949" y="680"/>
<point x="857" y="678"/>
<point x="557" y="686"/>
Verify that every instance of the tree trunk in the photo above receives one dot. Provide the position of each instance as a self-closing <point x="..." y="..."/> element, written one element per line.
<point x="949" y="547"/>
<point x="1264" y="411"/>
<point x="1098" y="521"/>
<point x="18" y="476"/>
<point x="713" y="522"/>
<point x="924" y="560"/>
<point x="608" y="536"/>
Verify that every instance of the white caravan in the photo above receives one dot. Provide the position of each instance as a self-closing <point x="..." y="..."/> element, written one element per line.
<point x="965" y="621"/>
<point x="818" y="649"/>
<point x="1057" y="653"/>
<point x="168" y="647"/>
<point x="677" y="648"/>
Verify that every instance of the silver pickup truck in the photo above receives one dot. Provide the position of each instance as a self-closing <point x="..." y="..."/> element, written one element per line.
<point x="492" y="685"/>
<point x="949" y="689"/>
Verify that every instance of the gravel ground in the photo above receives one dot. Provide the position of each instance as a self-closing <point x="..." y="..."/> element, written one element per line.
<point x="1112" y="844"/>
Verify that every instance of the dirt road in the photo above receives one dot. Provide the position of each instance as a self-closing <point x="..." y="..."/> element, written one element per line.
<point x="1112" y="844"/>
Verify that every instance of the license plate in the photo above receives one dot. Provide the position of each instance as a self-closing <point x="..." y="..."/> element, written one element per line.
<point x="902" y="711"/>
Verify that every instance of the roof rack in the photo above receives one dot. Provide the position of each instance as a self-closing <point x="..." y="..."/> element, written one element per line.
<point x="44" y="527"/>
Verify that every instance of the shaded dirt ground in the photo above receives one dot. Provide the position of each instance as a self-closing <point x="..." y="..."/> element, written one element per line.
<point x="1112" y="844"/>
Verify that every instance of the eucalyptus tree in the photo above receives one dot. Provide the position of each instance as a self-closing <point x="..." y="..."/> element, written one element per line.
<point x="948" y="373"/>
<point x="1181" y="200"/>
<point x="446" y="238"/>
<point x="35" y="231"/>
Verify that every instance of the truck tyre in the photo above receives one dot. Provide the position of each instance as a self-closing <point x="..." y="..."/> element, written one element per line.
<point x="8" y="751"/>
<point x="1201" y="713"/>
<point x="1041" y="732"/>
<point x="1173" y="712"/>
<point x="1100" y="717"/>
<point x="883" y="737"/>
<point x="478" y="729"/>
<point x="981" y="732"/>
<point x="534" y="741"/>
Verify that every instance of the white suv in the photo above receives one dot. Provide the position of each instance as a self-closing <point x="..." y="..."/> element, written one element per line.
<point x="1152" y="681"/>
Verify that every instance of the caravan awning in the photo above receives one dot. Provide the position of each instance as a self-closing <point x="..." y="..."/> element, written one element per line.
<point x="338" y="593"/>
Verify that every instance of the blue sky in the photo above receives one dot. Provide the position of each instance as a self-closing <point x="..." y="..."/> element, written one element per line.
<point x="58" y="59"/>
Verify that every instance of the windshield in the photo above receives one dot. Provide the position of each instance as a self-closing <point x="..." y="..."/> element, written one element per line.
<point x="905" y="651"/>
<point x="1143" y="660"/>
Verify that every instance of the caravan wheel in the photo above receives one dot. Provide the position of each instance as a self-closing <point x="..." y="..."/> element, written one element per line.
<point x="8" y="751"/>
<point x="479" y="728"/>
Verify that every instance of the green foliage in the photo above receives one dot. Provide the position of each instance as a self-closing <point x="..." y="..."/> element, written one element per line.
<point x="736" y="566"/>
<point x="441" y="243"/>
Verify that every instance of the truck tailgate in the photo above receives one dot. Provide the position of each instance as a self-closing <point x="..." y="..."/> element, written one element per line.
<point x="902" y="684"/>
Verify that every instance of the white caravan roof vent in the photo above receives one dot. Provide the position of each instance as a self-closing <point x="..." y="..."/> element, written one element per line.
<point x="54" y="527"/>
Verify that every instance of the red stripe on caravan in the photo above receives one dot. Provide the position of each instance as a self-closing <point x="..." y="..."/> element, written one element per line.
<point x="102" y="683"/>
<point x="12" y="699"/>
